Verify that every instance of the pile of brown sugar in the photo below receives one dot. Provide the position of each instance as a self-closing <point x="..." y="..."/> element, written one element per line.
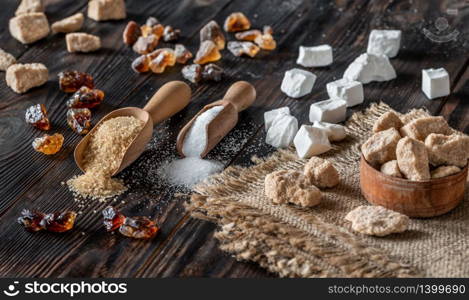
<point x="102" y="158"/>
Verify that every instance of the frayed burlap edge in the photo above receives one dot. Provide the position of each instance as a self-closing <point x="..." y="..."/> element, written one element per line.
<point x="293" y="242"/>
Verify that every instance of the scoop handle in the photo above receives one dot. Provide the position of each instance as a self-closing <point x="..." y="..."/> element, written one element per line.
<point x="168" y="100"/>
<point x="241" y="94"/>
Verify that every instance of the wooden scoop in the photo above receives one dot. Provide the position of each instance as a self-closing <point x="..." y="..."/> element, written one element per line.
<point x="239" y="96"/>
<point x="167" y="101"/>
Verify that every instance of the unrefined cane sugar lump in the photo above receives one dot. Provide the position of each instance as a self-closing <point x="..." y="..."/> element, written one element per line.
<point x="321" y="173"/>
<point x="377" y="220"/>
<point x="335" y="132"/>
<point x="420" y="128"/>
<point x="310" y="141"/>
<point x="444" y="171"/>
<point x="391" y="168"/>
<point x="385" y="42"/>
<point x="102" y="10"/>
<point x="22" y="77"/>
<point x="82" y="42"/>
<point x="387" y="120"/>
<point x="331" y="111"/>
<point x="282" y="132"/>
<point x="349" y="90"/>
<point x="370" y="67"/>
<point x="6" y="60"/>
<point x="447" y="149"/>
<point x="435" y="83"/>
<point x="270" y="115"/>
<point x="317" y="56"/>
<point x="29" y="27"/>
<point x="29" y="6"/>
<point x="381" y="147"/>
<point x="69" y="24"/>
<point x="412" y="159"/>
<point x="297" y="83"/>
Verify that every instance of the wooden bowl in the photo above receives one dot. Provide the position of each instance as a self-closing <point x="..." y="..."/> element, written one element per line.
<point x="429" y="198"/>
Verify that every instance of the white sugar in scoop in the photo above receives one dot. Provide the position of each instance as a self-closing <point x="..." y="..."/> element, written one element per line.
<point x="196" y="139"/>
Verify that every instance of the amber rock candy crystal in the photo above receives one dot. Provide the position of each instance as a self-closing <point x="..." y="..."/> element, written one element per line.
<point x="240" y="48"/>
<point x="131" y="33"/>
<point x="266" y="40"/>
<point x="236" y="22"/>
<point x="86" y="98"/>
<point x="193" y="73"/>
<point x="162" y="58"/>
<point x="79" y="119"/>
<point x="249" y="35"/>
<point x="141" y="64"/>
<point x="139" y="228"/>
<point x="146" y="44"/>
<point x="113" y="219"/>
<point x="208" y="52"/>
<point x="71" y="81"/>
<point x="182" y="54"/>
<point x="33" y="221"/>
<point x="49" y="144"/>
<point x="212" y="32"/>
<point x="36" y="115"/>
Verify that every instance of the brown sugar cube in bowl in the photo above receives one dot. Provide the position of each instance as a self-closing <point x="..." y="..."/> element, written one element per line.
<point x="444" y="171"/>
<point x="412" y="159"/>
<point x="391" y="168"/>
<point x="103" y="10"/>
<point x="29" y="28"/>
<point x="82" y="42"/>
<point x="447" y="149"/>
<point x="420" y="128"/>
<point x="321" y="173"/>
<point x="387" y="120"/>
<point x="381" y="147"/>
<point x="23" y="77"/>
<point x="29" y="6"/>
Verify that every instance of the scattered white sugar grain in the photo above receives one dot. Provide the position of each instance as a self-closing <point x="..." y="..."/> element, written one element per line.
<point x="190" y="170"/>
<point x="195" y="140"/>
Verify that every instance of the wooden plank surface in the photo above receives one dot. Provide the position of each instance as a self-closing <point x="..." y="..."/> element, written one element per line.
<point x="185" y="246"/>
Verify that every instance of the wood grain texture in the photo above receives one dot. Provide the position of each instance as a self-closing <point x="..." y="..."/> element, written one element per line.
<point x="185" y="246"/>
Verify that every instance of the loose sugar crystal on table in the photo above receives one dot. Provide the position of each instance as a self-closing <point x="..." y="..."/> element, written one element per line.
<point x="269" y="116"/>
<point x="86" y="98"/>
<point x="387" y="120"/>
<point x="212" y="72"/>
<point x="381" y="147"/>
<point x="240" y="48"/>
<point x="193" y="73"/>
<point x="331" y="111"/>
<point x="282" y="131"/>
<point x="82" y="42"/>
<point x="69" y="24"/>
<point x="22" y="77"/>
<point x="444" y="171"/>
<point x="72" y="81"/>
<point x="317" y="56"/>
<point x="310" y="141"/>
<point x="447" y="149"/>
<point x="145" y="44"/>
<point x="131" y="33"/>
<point x="141" y="64"/>
<point x="156" y="30"/>
<point x="6" y="60"/>
<point x="48" y="144"/>
<point x="291" y="187"/>
<point x="236" y="21"/>
<point x="350" y="91"/>
<point x="420" y="128"/>
<point x="266" y="40"/>
<point x="249" y="35"/>
<point x="335" y="132"/>
<point x="297" y="83"/>
<point x="190" y="170"/>
<point x="30" y="27"/>
<point x="170" y="34"/>
<point x="207" y="52"/>
<point x="79" y="120"/>
<point x="412" y="159"/>
<point x="161" y="58"/>
<point x="182" y="54"/>
<point x="435" y="83"/>
<point x="385" y="42"/>
<point x="103" y="10"/>
<point x="29" y="6"/>
<point x="369" y="67"/>
<point x="321" y="173"/>
<point x="377" y="220"/>
<point x="36" y="115"/>
<point x="391" y="168"/>
<point x="212" y="32"/>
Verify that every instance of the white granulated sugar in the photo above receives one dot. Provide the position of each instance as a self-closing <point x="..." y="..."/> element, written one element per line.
<point x="196" y="140"/>
<point x="190" y="170"/>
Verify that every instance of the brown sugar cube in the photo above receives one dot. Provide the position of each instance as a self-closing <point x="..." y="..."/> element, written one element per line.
<point x="412" y="159"/>
<point x="103" y="10"/>
<point x="321" y="173"/>
<point x="82" y="42"/>
<point x="291" y="186"/>
<point x="29" y="6"/>
<point x="6" y="60"/>
<point x="391" y="168"/>
<point x="420" y="128"/>
<point x="377" y="220"/>
<point x="22" y="77"/>
<point x="30" y="27"/>
<point x="444" y="171"/>
<point x="447" y="149"/>
<point x="381" y="147"/>
<point x="69" y="24"/>
<point x="387" y="120"/>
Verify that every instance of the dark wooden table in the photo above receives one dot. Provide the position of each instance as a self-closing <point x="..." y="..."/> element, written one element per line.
<point x="185" y="246"/>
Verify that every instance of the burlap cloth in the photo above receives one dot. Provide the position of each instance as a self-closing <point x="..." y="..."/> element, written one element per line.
<point x="317" y="242"/>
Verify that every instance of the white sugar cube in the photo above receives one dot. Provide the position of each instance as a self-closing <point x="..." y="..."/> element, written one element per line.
<point x="350" y="91"/>
<point x="270" y="115"/>
<point x="310" y="141"/>
<point x="385" y="42"/>
<point x="369" y="67"/>
<point x="331" y="111"/>
<point x="318" y="56"/>
<point x="335" y="132"/>
<point x="297" y="83"/>
<point x="435" y="83"/>
<point x="282" y="132"/>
